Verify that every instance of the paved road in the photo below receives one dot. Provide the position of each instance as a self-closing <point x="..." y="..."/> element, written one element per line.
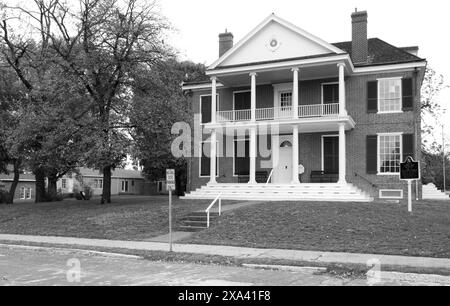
<point x="28" y="267"/>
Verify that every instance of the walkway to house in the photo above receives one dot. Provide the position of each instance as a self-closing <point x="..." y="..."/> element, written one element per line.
<point x="247" y="253"/>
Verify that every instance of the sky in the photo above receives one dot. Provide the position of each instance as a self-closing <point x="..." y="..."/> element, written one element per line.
<point x="402" y="23"/>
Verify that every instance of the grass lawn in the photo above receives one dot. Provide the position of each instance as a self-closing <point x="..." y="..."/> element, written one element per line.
<point x="128" y="218"/>
<point x="337" y="227"/>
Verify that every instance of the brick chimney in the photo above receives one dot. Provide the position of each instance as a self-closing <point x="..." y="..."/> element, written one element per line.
<point x="360" y="49"/>
<point x="225" y="42"/>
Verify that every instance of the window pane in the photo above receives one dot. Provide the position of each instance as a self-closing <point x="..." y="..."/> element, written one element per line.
<point x="390" y="95"/>
<point x="390" y="153"/>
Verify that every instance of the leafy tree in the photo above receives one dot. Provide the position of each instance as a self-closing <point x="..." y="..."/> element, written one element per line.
<point x="159" y="103"/>
<point x="432" y="108"/>
<point x="98" y="44"/>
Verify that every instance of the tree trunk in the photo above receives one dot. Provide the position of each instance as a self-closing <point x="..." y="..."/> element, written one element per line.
<point x="40" y="186"/>
<point x="52" y="188"/>
<point x="12" y="189"/>
<point x="106" y="195"/>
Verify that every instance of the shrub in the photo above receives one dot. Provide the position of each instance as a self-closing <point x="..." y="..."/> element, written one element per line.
<point x="3" y="196"/>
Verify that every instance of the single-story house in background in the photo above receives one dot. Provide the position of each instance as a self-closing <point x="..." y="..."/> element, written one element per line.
<point x="123" y="182"/>
<point x="25" y="190"/>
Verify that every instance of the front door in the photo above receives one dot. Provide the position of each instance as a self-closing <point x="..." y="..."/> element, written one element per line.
<point x="331" y="154"/>
<point x="283" y="171"/>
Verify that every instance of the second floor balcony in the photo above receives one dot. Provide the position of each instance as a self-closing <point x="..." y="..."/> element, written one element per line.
<point x="279" y="113"/>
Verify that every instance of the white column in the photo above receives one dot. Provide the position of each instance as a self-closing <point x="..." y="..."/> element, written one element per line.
<point x="295" y="93"/>
<point x="295" y="143"/>
<point x="253" y="96"/>
<point x="252" y="156"/>
<point x="214" y="100"/>
<point x="213" y="157"/>
<point x="342" y="96"/>
<point x="342" y="155"/>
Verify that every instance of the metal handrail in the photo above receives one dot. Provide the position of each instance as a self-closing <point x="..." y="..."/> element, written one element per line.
<point x="366" y="179"/>
<point x="208" y="210"/>
<point x="270" y="177"/>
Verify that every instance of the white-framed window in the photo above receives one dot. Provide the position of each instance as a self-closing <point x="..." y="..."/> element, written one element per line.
<point x="286" y="100"/>
<point x="125" y="186"/>
<point x="64" y="183"/>
<point x="390" y="95"/>
<point x="205" y="159"/>
<point x="25" y="193"/>
<point x="390" y="151"/>
<point x="330" y="93"/>
<point x="98" y="183"/>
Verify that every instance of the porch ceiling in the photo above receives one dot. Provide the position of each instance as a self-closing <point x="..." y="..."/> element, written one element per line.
<point x="281" y="75"/>
<point x="308" y="125"/>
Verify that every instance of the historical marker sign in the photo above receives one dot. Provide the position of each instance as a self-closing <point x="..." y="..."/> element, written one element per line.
<point x="409" y="170"/>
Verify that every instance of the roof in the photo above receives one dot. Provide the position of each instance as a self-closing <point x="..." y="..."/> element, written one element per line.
<point x="23" y="177"/>
<point x="381" y="53"/>
<point x="273" y="18"/>
<point x="118" y="173"/>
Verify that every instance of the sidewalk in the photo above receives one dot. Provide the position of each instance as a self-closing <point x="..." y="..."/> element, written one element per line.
<point x="238" y="252"/>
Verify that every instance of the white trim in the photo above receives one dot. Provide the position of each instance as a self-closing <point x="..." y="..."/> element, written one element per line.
<point x="246" y="138"/>
<point x="201" y="86"/>
<point x="323" y="147"/>
<point x="378" y="153"/>
<point x="25" y="189"/>
<point x="200" y="106"/>
<point x="280" y="65"/>
<point x="284" y="23"/>
<point x="321" y="87"/>
<point x="200" y="160"/>
<point x="390" y="68"/>
<point x="391" y="190"/>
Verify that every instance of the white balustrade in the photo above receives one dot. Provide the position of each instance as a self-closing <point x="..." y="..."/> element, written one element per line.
<point x="277" y="113"/>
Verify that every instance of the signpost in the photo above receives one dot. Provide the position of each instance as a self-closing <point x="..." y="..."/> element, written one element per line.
<point x="170" y="183"/>
<point x="409" y="171"/>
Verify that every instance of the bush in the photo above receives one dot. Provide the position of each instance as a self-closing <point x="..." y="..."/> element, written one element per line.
<point x="3" y="196"/>
<point x="87" y="192"/>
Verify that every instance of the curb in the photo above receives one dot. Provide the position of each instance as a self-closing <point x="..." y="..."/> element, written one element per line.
<point x="68" y="250"/>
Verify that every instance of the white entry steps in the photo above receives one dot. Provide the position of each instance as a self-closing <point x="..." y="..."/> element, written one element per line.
<point x="430" y="192"/>
<point x="271" y="192"/>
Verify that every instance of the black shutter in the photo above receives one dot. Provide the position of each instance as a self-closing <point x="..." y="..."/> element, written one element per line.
<point x="372" y="97"/>
<point x="408" y="146"/>
<point x="372" y="154"/>
<point x="408" y="96"/>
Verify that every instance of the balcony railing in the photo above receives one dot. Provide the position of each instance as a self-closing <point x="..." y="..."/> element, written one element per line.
<point x="279" y="113"/>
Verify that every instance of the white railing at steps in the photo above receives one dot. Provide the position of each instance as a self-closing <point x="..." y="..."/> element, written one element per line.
<point x="276" y="113"/>
<point x="270" y="177"/>
<point x="208" y="210"/>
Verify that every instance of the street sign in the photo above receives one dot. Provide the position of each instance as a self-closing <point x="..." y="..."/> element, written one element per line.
<point x="170" y="180"/>
<point x="409" y="170"/>
<point x="170" y="183"/>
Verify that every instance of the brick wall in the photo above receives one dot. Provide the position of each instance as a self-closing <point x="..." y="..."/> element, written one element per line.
<point x="310" y="144"/>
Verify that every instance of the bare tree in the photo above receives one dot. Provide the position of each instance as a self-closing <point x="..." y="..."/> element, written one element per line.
<point x="100" y="43"/>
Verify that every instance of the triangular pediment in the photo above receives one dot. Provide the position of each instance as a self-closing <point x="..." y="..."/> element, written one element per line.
<point x="275" y="40"/>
